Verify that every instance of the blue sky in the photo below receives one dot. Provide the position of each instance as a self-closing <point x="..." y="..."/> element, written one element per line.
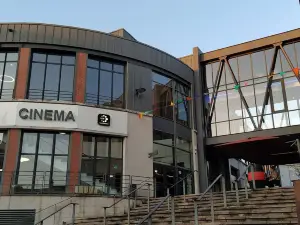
<point x="170" y="25"/>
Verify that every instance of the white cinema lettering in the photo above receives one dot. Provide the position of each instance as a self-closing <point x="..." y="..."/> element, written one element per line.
<point x="46" y="114"/>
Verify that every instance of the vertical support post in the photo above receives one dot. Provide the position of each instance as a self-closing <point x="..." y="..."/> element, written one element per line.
<point x="114" y="205"/>
<point x="135" y="196"/>
<point x="173" y="211"/>
<point x="237" y="192"/>
<point x="104" y="218"/>
<point x="184" y="189"/>
<point x="148" y="200"/>
<point x="224" y="191"/>
<point x="168" y="193"/>
<point x="196" y="222"/>
<point x="73" y="213"/>
<point x="128" y="212"/>
<point x="253" y="178"/>
<point x="42" y="222"/>
<point x="246" y="188"/>
<point x="212" y="212"/>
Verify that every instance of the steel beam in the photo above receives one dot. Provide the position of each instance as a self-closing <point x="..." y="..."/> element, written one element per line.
<point x="289" y="62"/>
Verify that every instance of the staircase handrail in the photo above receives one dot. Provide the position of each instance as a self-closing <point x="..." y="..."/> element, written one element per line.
<point x="24" y="219"/>
<point x="58" y="210"/>
<point x="244" y="173"/>
<point x="164" y="199"/>
<point x="126" y="196"/>
<point x="209" y="187"/>
<point x="154" y="209"/>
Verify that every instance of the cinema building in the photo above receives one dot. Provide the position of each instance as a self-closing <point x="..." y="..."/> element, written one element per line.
<point x="91" y="113"/>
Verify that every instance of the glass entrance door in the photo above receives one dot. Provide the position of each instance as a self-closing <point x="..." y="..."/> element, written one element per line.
<point x="164" y="177"/>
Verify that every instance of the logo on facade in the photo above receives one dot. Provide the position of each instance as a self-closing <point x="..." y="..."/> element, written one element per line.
<point x="104" y="120"/>
<point x="46" y="114"/>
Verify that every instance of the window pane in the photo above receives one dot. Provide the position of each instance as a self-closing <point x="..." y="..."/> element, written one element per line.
<point x="162" y="97"/>
<point x="183" y="159"/>
<point x="26" y="167"/>
<point x="51" y="83"/>
<point x="118" y="89"/>
<point x="277" y="95"/>
<point x="102" y="146"/>
<point x="260" y="90"/>
<point x="281" y="120"/>
<point x="277" y="68"/>
<point x="183" y="144"/>
<point x="88" y="146"/>
<point x="269" y="57"/>
<point x="2" y="57"/>
<point x="157" y="78"/>
<point x="248" y="125"/>
<point x="297" y="46"/>
<point x="294" y="117"/>
<point x="43" y="166"/>
<point x="29" y="143"/>
<point x="60" y="165"/>
<point x="245" y="70"/>
<point x="213" y="130"/>
<point x="3" y="140"/>
<point x="106" y="66"/>
<point x="118" y="68"/>
<point x="93" y="63"/>
<point x="267" y="122"/>
<point x="92" y="86"/>
<point x="259" y="64"/>
<point x="163" y="154"/>
<point x="8" y="80"/>
<point x="234" y="104"/>
<point x="36" y="81"/>
<point x="215" y="68"/>
<point x="62" y="144"/>
<point x="115" y="176"/>
<point x="105" y="88"/>
<point x="70" y="60"/>
<point x="223" y="128"/>
<point x="208" y="72"/>
<point x="234" y="67"/>
<point x="12" y="57"/>
<point x="46" y="143"/>
<point x="221" y="109"/>
<point x="39" y="57"/>
<point x="182" y="112"/>
<point x="162" y="138"/>
<point x="236" y="126"/>
<point x="248" y="92"/>
<point x="54" y="59"/>
<point x="101" y="170"/>
<point x="116" y="148"/>
<point x="66" y="83"/>
<point x="292" y="89"/>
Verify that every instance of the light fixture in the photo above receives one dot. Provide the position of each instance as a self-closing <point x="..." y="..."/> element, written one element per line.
<point x="1" y="170"/>
<point x="7" y="79"/>
<point x="24" y="159"/>
<point x="111" y="176"/>
<point x="139" y="91"/>
<point x="63" y="133"/>
<point x="155" y="171"/>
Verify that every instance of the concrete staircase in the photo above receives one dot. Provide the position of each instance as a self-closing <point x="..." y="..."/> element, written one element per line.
<point x="264" y="206"/>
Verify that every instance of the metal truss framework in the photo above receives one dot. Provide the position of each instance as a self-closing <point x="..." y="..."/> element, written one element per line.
<point x="223" y="61"/>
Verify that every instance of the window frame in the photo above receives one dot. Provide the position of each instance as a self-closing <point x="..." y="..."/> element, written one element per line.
<point x="99" y="69"/>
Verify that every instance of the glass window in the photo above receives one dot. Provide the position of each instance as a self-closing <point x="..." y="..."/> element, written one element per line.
<point x="234" y="105"/>
<point x="183" y="159"/>
<point x="182" y="106"/>
<point x="52" y="77"/>
<point x="104" y="85"/>
<point x="260" y="90"/>
<point x="3" y="141"/>
<point x="245" y="69"/>
<point x="234" y="66"/>
<point x="102" y="164"/>
<point x="236" y="126"/>
<point x="297" y="47"/>
<point x="209" y="79"/>
<point x="223" y="128"/>
<point x="277" y="96"/>
<point x="248" y="92"/>
<point x="294" y="117"/>
<point x="221" y="109"/>
<point x="248" y="124"/>
<point x="183" y="144"/>
<point x="43" y="162"/>
<point x="269" y="57"/>
<point x="8" y="71"/>
<point x="259" y="64"/>
<point x="267" y="122"/>
<point x="292" y="89"/>
<point x="215" y="68"/>
<point x="290" y="51"/>
<point x="163" y="154"/>
<point x="281" y="119"/>
<point x="163" y="138"/>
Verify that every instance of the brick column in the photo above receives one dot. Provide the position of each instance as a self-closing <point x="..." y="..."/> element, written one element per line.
<point x="74" y="160"/>
<point x="22" y="74"/>
<point x="297" y="197"/>
<point x="10" y="161"/>
<point x="80" y="77"/>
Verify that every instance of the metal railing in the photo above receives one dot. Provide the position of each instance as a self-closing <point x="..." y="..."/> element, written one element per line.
<point x="244" y="177"/>
<point x="148" y="217"/>
<point x="128" y="197"/>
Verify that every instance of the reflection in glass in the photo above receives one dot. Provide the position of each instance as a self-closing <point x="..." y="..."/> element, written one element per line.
<point x="234" y="66"/>
<point x="209" y="79"/>
<point x="234" y="105"/>
<point x="248" y="125"/>
<point x="245" y="70"/>
<point x="102" y="146"/>
<point x="103" y="86"/>
<point x="183" y="144"/>
<point x="8" y="71"/>
<point x="281" y="120"/>
<point x="116" y="148"/>
<point x="294" y="117"/>
<point x="223" y="128"/>
<point x="163" y="154"/>
<point x="51" y="80"/>
<point x="292" y="89"/>
<point x="290" y="51"/>
<point x="277" y="96"/>
<point x="162" y="138"/>
<point x="236" y="126"/>
<point x="260" y="90"/>
<point x="259" y="64"/>
<point x="267" y="122"/>
<point x="221" y="109"/>
<point x="248" y="92"/>
<point x="183" y="159"/>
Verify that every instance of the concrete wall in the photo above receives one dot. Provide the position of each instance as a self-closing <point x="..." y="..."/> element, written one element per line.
<point x="137" y="147"/>
<point x="88" y="207"/>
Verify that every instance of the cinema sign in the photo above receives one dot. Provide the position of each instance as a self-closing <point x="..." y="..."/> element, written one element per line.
<point x="46" y="114"/>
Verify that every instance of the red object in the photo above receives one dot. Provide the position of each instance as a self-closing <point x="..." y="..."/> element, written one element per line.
<point x="257" y="176"/>
<point x="296" y="71"/>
